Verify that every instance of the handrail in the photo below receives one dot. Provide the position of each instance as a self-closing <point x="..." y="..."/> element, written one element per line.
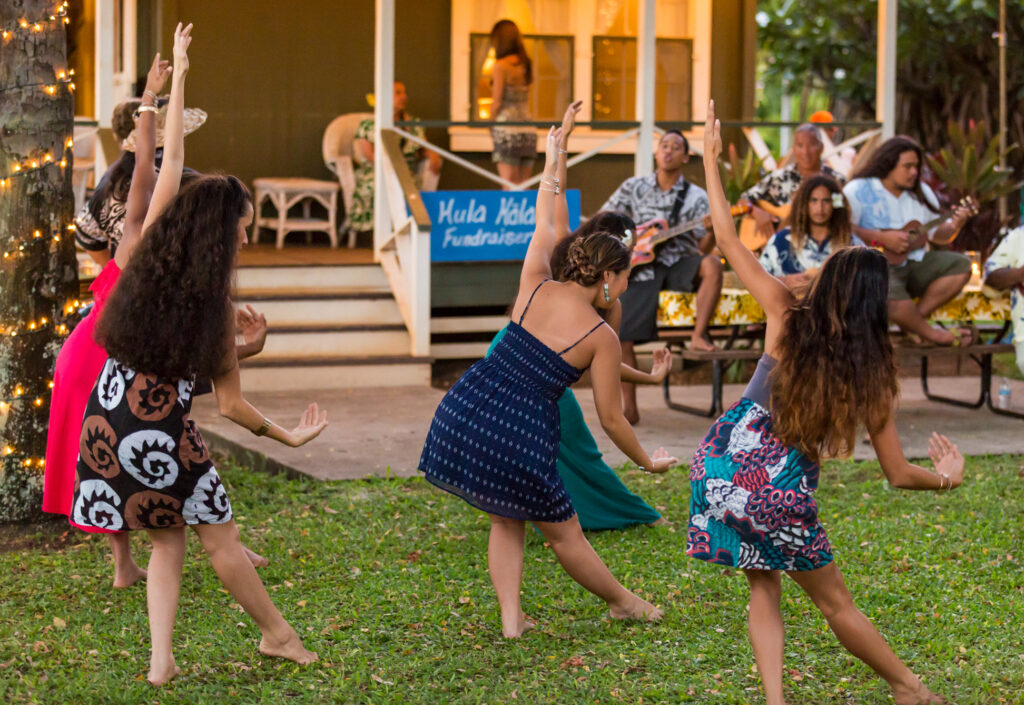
<point x="625" y="125"/>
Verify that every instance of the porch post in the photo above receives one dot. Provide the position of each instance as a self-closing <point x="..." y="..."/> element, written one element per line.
<point x="645" y="67"/>
<point x="104" y="75"/>
<point x="383" y="113"/>
<point x="885" y="79"/>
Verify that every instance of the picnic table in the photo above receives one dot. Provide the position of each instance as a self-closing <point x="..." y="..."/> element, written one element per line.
<point x="739" y="317"/>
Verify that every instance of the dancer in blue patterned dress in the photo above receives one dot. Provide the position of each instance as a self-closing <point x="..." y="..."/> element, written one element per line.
<point x="494" y="438"/>
<point x="827" y="369"/>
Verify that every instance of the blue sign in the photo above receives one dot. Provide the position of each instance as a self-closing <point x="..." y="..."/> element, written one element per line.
<point x="482" y="226"/>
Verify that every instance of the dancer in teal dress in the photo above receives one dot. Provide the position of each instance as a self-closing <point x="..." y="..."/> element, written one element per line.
<point x="826" y="372"/>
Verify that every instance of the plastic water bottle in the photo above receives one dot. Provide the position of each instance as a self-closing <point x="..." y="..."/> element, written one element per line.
<point x="1003" y="400"/>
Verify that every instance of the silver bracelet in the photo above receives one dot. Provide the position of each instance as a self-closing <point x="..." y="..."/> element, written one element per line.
<point x="549" y="190"/>
<point x="146" y="109"/>
<point x="150" y="93"/>
<point x="563" y="151"/>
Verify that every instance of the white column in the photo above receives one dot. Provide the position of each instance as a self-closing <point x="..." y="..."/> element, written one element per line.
<point x="645" y="68"/>
<point x="885" y="80"/>
<point x="383" y="111"/>
<point x="104" y="75"/>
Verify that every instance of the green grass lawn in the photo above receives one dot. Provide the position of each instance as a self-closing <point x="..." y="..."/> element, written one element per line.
<point x="387" y="580"/>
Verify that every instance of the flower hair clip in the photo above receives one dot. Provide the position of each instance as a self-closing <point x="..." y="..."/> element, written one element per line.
<point x="627" y="237"/>
<point x="837" y="200"/>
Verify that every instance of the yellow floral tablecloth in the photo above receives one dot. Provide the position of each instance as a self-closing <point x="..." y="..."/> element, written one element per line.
<point x="677" y="309"/>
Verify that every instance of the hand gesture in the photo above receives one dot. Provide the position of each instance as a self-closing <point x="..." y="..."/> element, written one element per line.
<point x="661" y="365"/>
<point x="961" y="213"/>
<point x="947" y="459"/>
<point x="252" y="326"/>
<point x="552" y="146"/>
<point x="661" y="461"/>
<point x="569" y="120"/>
<point x="712" y="136"/>
<point x="312" y="423"/>
<point x="157" y="76"/>
<point x="897" y="241"/>
<point x="765" y="222"/>
<point x="182" y="38"/>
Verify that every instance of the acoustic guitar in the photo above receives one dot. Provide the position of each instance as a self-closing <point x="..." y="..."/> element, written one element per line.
<point x="748" y="233"/>
<point x="655" y="232"/>
<point x="919" y="232"/>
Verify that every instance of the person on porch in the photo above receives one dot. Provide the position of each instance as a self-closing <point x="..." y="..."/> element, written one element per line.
<point x="683" y="263"/>
<point x="363" y="149"/>
<point x="1004" y="269"/>
<point x="886" y="194"/>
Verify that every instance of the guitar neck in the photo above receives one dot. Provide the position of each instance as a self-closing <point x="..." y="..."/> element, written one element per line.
<point x="690" y="225"/>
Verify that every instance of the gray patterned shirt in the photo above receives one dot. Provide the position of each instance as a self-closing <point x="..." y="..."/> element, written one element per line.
<point x="642" y="199"/>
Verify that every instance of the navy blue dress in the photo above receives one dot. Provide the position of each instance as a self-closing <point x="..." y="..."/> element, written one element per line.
<point x="494" y="439"/>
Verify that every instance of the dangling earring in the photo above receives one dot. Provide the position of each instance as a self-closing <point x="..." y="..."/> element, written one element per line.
<point x="607" y="296"/>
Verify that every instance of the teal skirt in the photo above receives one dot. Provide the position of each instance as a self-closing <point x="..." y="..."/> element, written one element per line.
<point x="600" y="499"/>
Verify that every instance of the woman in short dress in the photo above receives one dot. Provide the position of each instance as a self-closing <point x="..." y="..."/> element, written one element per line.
<point x="515" y="148"/>
<point x="827" y="369"/>
<point x="494" y="438"/>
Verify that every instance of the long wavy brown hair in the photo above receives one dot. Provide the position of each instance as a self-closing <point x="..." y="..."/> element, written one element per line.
<point x="885" y="158"/>
<point x="835" y="366"/>
<point x="506" y="40"/>
<point x="838" y="225"/>
<point x="171" y="314"/>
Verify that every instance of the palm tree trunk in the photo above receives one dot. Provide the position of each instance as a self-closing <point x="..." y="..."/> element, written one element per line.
<point x="38" y="273"/>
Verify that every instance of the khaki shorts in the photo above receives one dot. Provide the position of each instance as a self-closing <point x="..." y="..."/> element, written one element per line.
<point x="909" y="281"/>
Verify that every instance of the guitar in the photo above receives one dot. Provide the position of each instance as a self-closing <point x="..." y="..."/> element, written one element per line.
<point x="748" y="233"/>
<point x="919" y="232"/>
<point x="654" y="232"/>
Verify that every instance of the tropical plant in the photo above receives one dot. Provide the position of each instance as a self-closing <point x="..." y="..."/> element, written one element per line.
<point x="738" y="174"/>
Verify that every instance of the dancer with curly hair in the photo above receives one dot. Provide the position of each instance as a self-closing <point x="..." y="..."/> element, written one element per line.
<point x="827" y="368"/>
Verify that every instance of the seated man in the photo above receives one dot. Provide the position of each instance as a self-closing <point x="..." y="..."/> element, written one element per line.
<point x="885" y="195"/>
<point x="1005" y="270"/>
<point x="361" y="217"/>
<point x="778" y="187"/>
<point x="820" y="226"/>
<point x="681" y="264"/>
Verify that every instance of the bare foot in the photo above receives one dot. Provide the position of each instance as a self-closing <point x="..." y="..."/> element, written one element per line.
<point x="126" y="576"/>
<point x="660" y="521"/>
<point x="522" y="625"/>
<point x="941" y="336"/>
<point x="256" y="559"/>
<point x="291" y="648"/>
<point x="701" y="343"/>
<point x="916" y="694"/>
<point x="636" y="608"/>
<point x="161" y="673"/>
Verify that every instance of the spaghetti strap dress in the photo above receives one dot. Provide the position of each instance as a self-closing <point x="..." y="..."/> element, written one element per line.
<point x="752" y="497"/>
<point x="79" y="363"/>
<point x="599" y="497"/>
<point x="494" y="438"/>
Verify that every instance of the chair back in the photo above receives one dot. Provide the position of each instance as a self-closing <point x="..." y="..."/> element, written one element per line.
<point x="339" y="136"/>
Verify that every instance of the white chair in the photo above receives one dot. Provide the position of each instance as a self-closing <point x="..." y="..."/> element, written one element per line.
<point x="337" y="153"/>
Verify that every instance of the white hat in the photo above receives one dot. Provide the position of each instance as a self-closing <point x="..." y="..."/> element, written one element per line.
<point x="193" y="120"/>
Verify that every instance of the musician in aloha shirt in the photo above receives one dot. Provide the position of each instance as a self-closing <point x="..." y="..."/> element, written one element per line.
<point x="1004" y="269"/>
<point x="681" y="264"/>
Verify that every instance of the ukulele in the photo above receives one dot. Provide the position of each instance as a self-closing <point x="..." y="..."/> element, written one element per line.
<point x="919" y="232"/>
<point x="748" y="233"/>
<point x="654" y="232"/>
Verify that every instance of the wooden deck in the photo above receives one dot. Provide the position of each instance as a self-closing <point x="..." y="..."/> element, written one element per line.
<point x="266" y="255"/>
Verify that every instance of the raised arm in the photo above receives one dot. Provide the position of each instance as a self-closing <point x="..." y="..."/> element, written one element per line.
<point x="537" y="263"/>
<point x="772" y="294"/>
<point x="562" y="228"/>
<point x="946" y="457"/>
<point x="144" y="175"/>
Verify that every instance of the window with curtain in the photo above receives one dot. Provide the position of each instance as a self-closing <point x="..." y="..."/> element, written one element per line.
<point x="614" y="79"/>
<point x="551" y="90"/>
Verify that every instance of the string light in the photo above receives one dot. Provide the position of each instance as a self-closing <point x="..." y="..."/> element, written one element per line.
<point x="59" y="13"/>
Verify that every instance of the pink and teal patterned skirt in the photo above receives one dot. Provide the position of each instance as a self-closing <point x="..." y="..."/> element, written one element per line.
<point x="752" y="498"/>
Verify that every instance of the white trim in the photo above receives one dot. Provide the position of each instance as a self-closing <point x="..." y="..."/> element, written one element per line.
<point x="885" y="77"/>
<point x="383" y="113"/>
<point x="643" y="159"/>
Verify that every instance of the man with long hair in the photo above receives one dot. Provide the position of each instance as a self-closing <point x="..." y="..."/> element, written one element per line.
<point x="820" y="226"/>
<point x="683" y="263"/>
<point x="779" y="187"/>
<point x="885" y="195"/>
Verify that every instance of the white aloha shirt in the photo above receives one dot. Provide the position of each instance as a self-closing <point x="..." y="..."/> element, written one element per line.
<point x="873" y="207"/>
<point x="1010" y="253"/>
<point x="642" y="199"/>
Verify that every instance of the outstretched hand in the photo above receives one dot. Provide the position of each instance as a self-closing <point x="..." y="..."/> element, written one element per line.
<point x="947" y="459"/>
<point x="312" y="423"/>
<point x="252" y="325"/>
<point x="182" y="39"/>
<point x="661" y="364"/>
<point x="712" y="136"/>
<point x="661" y="461"/>
<point x="569" y="121"/>
<point x="156" y="79"/>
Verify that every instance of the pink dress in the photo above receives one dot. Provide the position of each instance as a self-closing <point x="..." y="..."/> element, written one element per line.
<point x="79" y="363"/>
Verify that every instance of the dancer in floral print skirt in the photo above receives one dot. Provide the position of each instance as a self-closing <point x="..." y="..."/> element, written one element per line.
<point x="827" y="369"/>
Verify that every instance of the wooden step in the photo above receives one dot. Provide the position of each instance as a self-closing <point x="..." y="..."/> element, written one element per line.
<point x="291" y="280"/>
<point x="366" y="308"/>
<point x="336" y="341"/>
<point x="326" y="372"/>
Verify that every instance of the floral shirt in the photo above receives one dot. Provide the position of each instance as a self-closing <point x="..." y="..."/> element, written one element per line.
<point x="642" y="199"/>
<point x="95" y="234"/>
<point x="779" y="258"/>
<point x="779" y="186"/>
<point x="361" y="217"/>
<point x="1010" y="253"/>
